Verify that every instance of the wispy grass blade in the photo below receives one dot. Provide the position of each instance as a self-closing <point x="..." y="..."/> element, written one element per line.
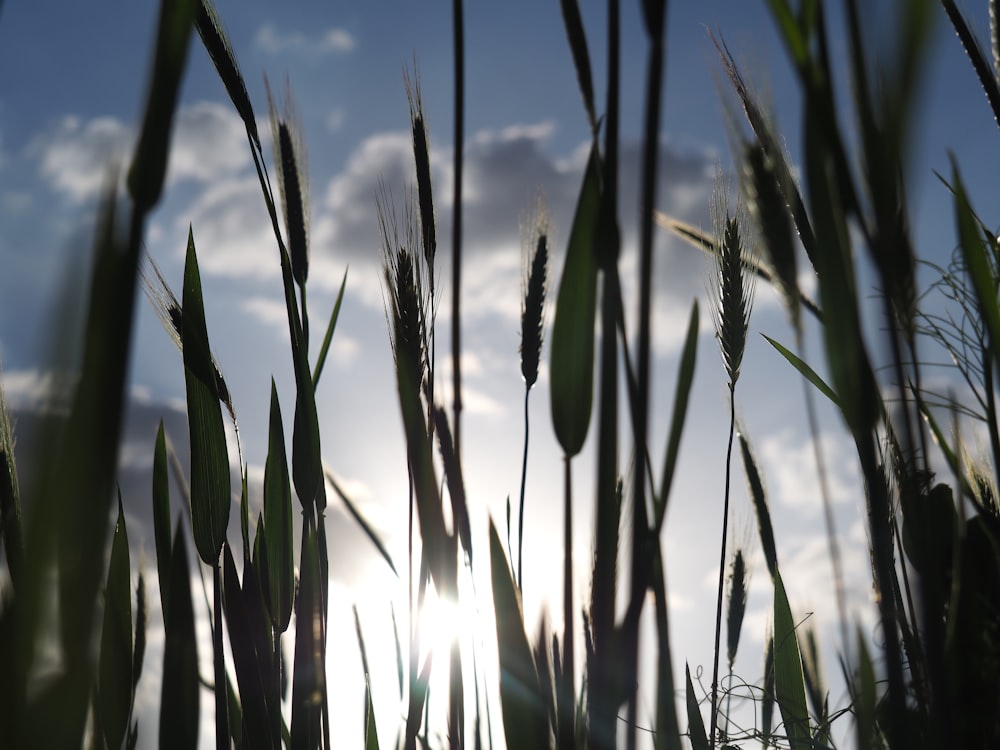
<point x="362" y="521"/>
<point x="328" y="337"/>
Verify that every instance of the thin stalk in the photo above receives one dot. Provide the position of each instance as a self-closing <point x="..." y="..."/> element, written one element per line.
<point x="456" y="225"/>
<point x="991" y="406"/>
<point x="655" y="14"/>
<point x="524" y="479"/>
<point x="221" y="697"/>
<point x="722" y="569"/>
<point x="567" y="714"/>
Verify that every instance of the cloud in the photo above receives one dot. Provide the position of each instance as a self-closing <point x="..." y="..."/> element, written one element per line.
<point x="74" y="157"/>
<point x="209" y="141"/>
<point x="333" y="41"/>
<point x="790" y="466"/>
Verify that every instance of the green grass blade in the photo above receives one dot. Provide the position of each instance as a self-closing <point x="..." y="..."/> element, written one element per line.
<point x="328" y="337"/>
<point x="247" y="659"/>
<point x="115" y="682"/>
<point x="696" y="725"/>
<point x="149" y="165"/>
<point x="685" y="378"/>
<point x="581" y="58"/>
<point x="179" y="694"/>
<point x="789" y="685"/>
<point x="866" y="708"/>
<point x="139" y="650"/>
<point x="371" y="733"/>
<point x="210" y="480"/>
<point x="980" y="272"/>
<point x="987" y="78"/>
<point x="362" y="521"/>
<point x="161" y="516"/>
<point x="805" y="370"/>
<point x="572" y="342"/>
<point x="760" y="507"/>
<point x="667" y="727"/>
<point x="523" y="706"/>
<point x="10" y="496"/>
<point x="308" y="682"/>
<point x="456" y="485"/>
<point x="280" y="569"/>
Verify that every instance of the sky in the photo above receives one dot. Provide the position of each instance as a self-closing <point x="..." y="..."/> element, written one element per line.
<point x="72" y="86"/>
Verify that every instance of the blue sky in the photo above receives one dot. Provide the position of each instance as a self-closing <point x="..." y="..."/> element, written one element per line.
<point x="72" y="83"/>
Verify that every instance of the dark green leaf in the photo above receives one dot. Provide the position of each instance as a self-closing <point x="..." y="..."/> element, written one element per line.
<point x="278" y="522"/>
<point x="371" y="735"/>
<point x="809" y="373"/>
<point x="789" y="685"/>
<point x="308" y="683"/>
<point x="246" y="658"/>
<point x="581" y="58"/>
<point x="149" y="165"/>
<point x="115" y="676"/>
<point x="521" y="699"/>
<point x="696" y="725"/>
<point x="685" y="377"/>
<point x="161" y="516"/>
<point x="210" y="480"/>
<point x="331" y="326"/>
<point x="760" y="507"/>
<point x="179" y="695"/>
<point x="572" y="347"/>
<point x="362" y="521"/>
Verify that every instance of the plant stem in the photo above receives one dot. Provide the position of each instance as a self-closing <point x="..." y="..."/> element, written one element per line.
<point x="566" y="738"/>
<point x="722" y="569"/>
<point x="456" y="225"/>
<point x="524" y="479"/>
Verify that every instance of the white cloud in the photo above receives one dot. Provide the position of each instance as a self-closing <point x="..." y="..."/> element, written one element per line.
<point x="74" y="158"/>
<point x="789" y="464"/>
<point x="274" y="42"/>
<point x="209" y="142"/>
<point x="38" y="390"/>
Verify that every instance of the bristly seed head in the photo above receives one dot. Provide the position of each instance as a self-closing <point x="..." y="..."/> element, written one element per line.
<point x="738" y="585"/>
<point x="421" y="155"/>
<point x="734" y="282"/>
<point x="534" y="286"/>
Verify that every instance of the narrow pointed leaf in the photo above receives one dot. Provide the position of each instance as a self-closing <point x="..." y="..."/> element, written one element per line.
<point x="572" y="341"/>
<point x="210" y="480"/>
<point x="789" y="684"/>
<point x="521" y="699"/>
<point x="161" y="516"/>
<point x="371" y="734"/>
<point x="308" y="670"/>
<point x="331" y="326"/>
<point x="696" y="725"/>
<point x="362" y="521"/>
<point x="179" y="696"/>
<point x="246" y="658"/>
<point x="804" y="369"/>
<point x="280" y="571"/>
<point x="685" y="377"/>
<point x="760" y="507"/>
<point x="581" y="58"/>
<point x="115" y="675"/>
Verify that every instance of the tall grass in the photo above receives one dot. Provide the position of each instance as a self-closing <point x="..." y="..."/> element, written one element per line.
<point x="931" y="679"/>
